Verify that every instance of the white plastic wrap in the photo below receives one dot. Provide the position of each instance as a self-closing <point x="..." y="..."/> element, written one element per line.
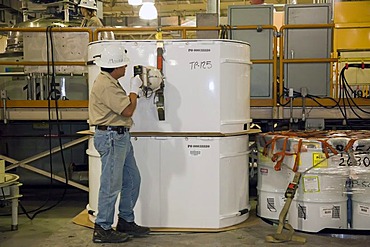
<point x="334" y="189"/>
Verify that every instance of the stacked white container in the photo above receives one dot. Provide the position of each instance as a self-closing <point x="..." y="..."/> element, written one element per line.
<point x="320" y="201"/>
<point x="271" y="184"/>
<point x="194" y="164"/>
<point x="333" y="191"/>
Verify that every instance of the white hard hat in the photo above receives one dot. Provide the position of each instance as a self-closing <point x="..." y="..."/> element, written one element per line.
<point x="88" y="4"/>
<point x="112" y="56"/>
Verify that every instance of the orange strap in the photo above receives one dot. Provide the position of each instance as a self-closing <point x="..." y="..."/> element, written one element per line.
<point x="349" y="144"/>
<point x="325" y="146"/>
<point x="275" y="156"/>
<point x="298" y="156"/>
<point x="272" y="142"/>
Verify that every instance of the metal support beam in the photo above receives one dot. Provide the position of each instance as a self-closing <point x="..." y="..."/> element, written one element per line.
<point x="312" y="112"/>
<point x="23" y="163"/>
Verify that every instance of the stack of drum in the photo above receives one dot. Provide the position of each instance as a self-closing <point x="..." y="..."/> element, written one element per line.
<point x="333" y="191"/>
<point x="194" y="163"/>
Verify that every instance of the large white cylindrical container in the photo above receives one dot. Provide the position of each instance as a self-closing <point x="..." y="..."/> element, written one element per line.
<point x="94" y="178"/>
<point x="360" y="187"/>
<point x="320" y="201"/>
<point x="271" y="184"/>
<point x="206" y="84"/>
<point x="333" y="191"/>
<point x="361" y="211"/>
<point x="188" y="182"/>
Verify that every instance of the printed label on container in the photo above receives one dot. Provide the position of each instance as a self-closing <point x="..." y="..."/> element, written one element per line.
<point x="332" y="212"/>
<point x="271" y="204"/>
<point x="311" y="184"/>
<point x="264" y="171"/>
<point x="195" y="153"/>
<point x="319" y="160"/>
<point x="282" y="200"/>
<point x="363" y="210"/>
<point x="196" y="149"/>
<point x="326" y="212"/>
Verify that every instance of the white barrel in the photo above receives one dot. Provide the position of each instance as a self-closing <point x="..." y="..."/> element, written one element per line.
<point x="357" y="166"/>
<point x="333" y="191"/>
<point x="187" y="182"/>
<point x="271" y="184"/>
<point x="361" y="211"/>
<point x="94" y="179"/>
<point x="190" y="178"/>
<point x="360" y="187"/>
<point x="94" y="182"/>
<point x="213" y="74"/>
<point x="320" y="203"/>
<point x="193" y="182"/>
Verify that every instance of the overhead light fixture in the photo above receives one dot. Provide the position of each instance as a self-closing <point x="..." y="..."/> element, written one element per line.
<point x="148" y="11"/>
<point x="135" y="2"/>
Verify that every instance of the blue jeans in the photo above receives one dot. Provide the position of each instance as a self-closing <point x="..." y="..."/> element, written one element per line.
<point x="119" y="174"/>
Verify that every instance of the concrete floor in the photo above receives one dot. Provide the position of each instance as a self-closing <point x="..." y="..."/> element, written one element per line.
<point x="55" y="228"/>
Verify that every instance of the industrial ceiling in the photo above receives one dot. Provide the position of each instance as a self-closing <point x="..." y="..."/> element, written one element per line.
<point x="121" y="8"/>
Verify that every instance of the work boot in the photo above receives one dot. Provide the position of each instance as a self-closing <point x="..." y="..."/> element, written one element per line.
<point x="131" y="228"/>
<point x="108" y="236"/>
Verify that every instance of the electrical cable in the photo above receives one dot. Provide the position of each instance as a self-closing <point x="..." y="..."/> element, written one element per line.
<point x="348" y="98"/>
<point x="285" y="94"/>
<point x="346" y="92"/>
<point x="310" y="96"/>
<point x="346" y="84"/>
<point x="341" y="92"/>
<point x="221" y="35"/>
<point x="224" y="33"/>
<point x="314" y="98"/>
<point x="345" y="96"/>
<point x="57" y="118"/>
<point x="52" y="90"/>
<point x="227" y="31"/>
<point x="50" y="154"/>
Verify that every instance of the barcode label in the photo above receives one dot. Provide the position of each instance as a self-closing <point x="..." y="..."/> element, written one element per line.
<point x="302" y="212"/>
<point x="336" y="212"/>
<point x="271" y="204"/>
<point x="363" y="210"/>
<point x="282" y="200"/>
<point x="330" y="212"/>
<point x="194" y="153"/>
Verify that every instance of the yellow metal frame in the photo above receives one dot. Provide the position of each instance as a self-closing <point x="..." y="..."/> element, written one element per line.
<point x="347" y="36"/>
<point x="351" y="34"/>
<point x="44" y="103"/>
<point x="93" y="36"/>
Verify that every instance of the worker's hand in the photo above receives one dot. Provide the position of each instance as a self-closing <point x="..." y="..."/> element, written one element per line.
<point x="135" y="84"/>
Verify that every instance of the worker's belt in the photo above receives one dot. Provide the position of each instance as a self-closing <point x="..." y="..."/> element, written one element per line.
<point x="119" y="129"/>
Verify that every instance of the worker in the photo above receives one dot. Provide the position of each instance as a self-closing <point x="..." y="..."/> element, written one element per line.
<point x="88" y="9"/>
<point x="110" y="111"/>
<point x="256" y="2"/>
